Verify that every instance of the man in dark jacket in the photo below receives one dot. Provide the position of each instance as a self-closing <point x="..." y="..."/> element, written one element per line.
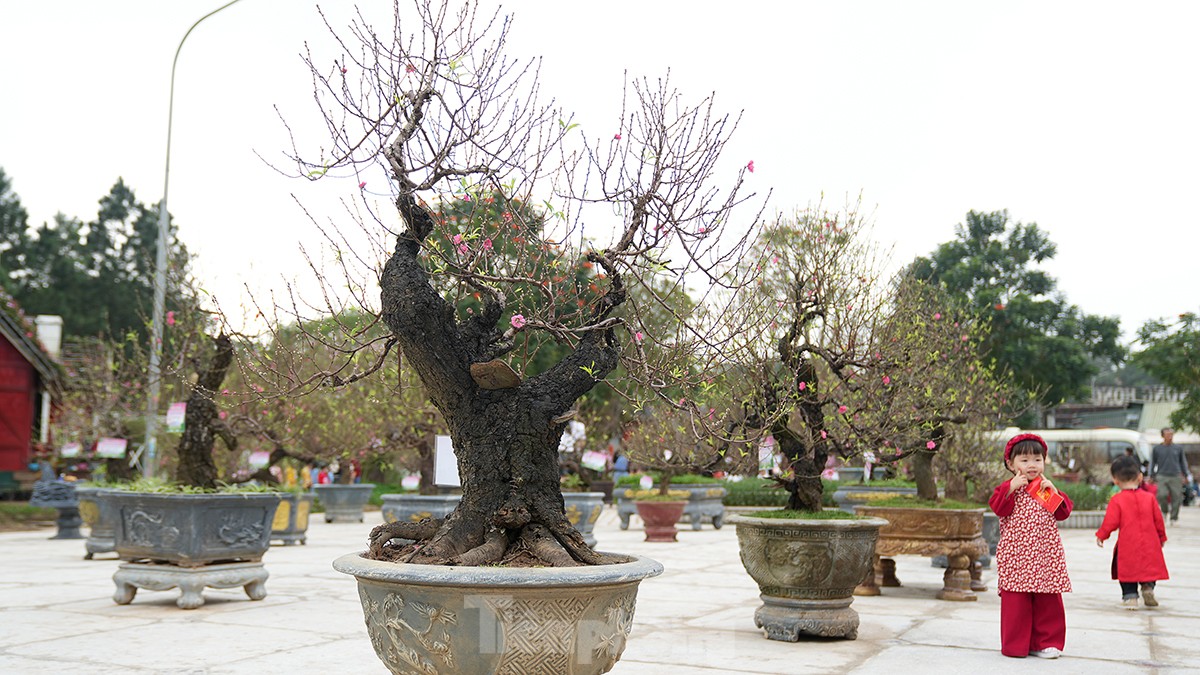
<point x="1168" y="468"/>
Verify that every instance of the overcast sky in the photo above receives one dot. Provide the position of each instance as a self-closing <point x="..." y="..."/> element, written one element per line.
<point x="1079" y="116"/>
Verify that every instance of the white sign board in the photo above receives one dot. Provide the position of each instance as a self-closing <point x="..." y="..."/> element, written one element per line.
<point x="111" y="448"/>
<point x="445" y="464"/>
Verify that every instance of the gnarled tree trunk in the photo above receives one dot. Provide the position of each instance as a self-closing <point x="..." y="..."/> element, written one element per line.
<point x="506" y="440"/>
<point x="196" y="465"/>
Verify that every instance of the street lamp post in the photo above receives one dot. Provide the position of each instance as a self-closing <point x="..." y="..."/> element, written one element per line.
<point x="160" y="277"/>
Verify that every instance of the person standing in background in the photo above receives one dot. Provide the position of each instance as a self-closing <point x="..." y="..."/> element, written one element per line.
<point x="1168" y="467"/>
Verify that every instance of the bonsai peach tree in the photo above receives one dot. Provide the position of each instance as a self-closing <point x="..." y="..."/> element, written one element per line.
<point x="851" y="363"/>
<point x="442" y="116"/>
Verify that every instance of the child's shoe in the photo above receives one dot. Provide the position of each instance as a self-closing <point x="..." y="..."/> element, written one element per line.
<point x="1130" y="603"/>
<point x="1148" y="596"/>
<point x="1047" y="653"/>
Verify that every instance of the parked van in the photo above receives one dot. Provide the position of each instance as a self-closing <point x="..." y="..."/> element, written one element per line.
<point x="1084" y="454"/>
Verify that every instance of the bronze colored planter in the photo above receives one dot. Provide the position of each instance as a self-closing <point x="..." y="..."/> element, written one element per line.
<point x="954" y="533"/>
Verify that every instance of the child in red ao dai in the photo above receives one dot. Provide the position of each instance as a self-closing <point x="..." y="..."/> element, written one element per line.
<point x="1137" y="557"/>
<point x="1030" y="564"/>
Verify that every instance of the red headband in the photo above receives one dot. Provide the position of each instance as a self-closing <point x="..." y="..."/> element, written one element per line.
<point x="1023" y="437"/>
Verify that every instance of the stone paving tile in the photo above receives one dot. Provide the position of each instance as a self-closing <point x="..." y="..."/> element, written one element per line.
<point x="695" y="619"/>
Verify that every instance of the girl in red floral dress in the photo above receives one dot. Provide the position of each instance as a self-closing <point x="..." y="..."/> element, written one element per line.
<point x="1030" y="564"/>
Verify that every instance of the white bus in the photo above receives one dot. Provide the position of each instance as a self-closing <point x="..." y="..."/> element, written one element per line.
<point x="1085" y="453"/>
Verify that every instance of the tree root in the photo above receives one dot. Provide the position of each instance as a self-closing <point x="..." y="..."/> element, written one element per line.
<point x="382" y="534"/>
<point x="495" y="543"/>
<point x="573" y="544"/>
<point x="544" y="545"/>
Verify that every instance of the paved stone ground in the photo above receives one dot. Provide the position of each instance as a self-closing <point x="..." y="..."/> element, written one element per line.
<point x="57" y="615"/>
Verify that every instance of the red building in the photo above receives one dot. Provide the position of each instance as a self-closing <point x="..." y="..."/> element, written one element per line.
<point x="30" y="387"/>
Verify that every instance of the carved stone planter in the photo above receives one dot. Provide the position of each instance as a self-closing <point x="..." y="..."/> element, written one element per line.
<point x="190" y="541"/>
<point x="660" y="519"/>
<point x="583" y="510"/>
<point x="954" y="533"/>
<point x="56" y="494"/>
<point x="413" y="508"/>
<point x="344" y="503"/>
<point x="807" y="570"/>
<point x="97" y="512"/>
<point x="483" y="620"/>
<point x="705" y="502"/>
<point x="191" y="530"/>
<point x="855" y="474"/>
<point x="290" y="525"/>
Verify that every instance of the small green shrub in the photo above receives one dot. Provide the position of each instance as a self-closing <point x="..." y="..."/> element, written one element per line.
<point x="765" y="492"/>
<point x="160" y="486"/>
<point x="826" y="514"/>
<point x="1086" y="497"/>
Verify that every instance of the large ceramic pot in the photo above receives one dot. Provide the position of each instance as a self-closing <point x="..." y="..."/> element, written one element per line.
<point x="290" y="525"/>
<point x="191" y="530"/>
<point x="807" y="570"/>
<point x="344" y="503"/>
<point x="483" y="620"/>
<point x="660" y="519"/>
<point x="99" y="515"/>
<point x="954" y="533"/>
<point x="705" y="502"/>
<point x="413" y="508"/>
<point x="583" y="509"/>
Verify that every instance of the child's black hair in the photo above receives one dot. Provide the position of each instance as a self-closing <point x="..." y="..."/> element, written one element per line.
<point x="1126" y="469"/>
<point x="1027" y="447"/>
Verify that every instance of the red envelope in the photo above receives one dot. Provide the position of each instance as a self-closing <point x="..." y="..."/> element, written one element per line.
<point x="1049" y="499"/>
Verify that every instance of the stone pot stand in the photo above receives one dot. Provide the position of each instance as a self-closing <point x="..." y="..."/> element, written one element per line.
<point x="191" y="582"/>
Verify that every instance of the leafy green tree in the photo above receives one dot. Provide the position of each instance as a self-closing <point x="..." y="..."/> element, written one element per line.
<point x="1171" y="353"/>
<point x="1047" y="345"/>
<point x="97" y="275"/>
<point x="14" y="234"/>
